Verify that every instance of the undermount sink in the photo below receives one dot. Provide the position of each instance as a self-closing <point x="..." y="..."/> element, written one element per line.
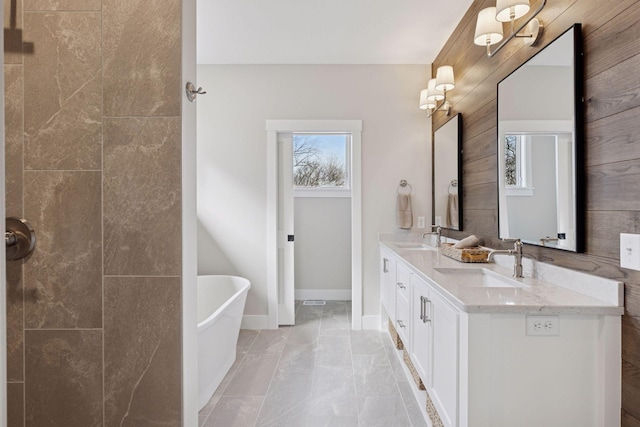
<point x="414" y="245"/>
<point x="479" y="278"/>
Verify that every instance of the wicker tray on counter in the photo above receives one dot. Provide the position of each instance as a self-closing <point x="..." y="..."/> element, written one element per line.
<point x="476" y="254"/>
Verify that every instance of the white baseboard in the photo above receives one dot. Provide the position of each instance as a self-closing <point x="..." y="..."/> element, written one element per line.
<point x="255" y="322"/>
<point x="323" y="294"/>
<point x="371" y="322"/>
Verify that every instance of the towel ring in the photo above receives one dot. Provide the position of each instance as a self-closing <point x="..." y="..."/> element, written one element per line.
<point x="404" y="188"/>
<point x="453" y="187"/>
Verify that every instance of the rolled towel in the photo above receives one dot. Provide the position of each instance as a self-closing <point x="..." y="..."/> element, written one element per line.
<point x="468" y="242"/>
<point x="452" y="211"/>
<point x="404" y="211"/>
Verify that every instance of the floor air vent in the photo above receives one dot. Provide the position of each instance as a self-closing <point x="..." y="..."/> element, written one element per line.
<point x="314" y="302"/>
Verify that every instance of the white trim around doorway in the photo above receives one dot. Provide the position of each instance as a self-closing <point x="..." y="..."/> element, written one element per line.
<point x="354" y="127"/>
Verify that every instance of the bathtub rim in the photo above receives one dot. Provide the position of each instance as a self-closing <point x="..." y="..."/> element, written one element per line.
<point x="245" y="287"/>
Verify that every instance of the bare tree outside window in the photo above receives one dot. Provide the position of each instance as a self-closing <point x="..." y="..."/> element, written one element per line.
<point x="314" y="167"/>
<point x="510" y="142"/>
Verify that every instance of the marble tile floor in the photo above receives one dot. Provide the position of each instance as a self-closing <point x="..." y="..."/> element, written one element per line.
<point x="316" y="373"/>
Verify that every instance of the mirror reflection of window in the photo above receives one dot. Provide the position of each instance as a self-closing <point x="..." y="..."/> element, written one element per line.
<point x="539" y="143"/>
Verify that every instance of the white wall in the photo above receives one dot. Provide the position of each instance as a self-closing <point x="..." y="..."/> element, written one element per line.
<point x="232" y="155"/>
<point x="322" y="243"/>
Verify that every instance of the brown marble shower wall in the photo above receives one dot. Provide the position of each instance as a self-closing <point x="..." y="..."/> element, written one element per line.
<point x="93" y="161"/>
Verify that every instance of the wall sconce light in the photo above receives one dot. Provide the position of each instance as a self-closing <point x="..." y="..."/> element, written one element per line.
<point x="436" y="92"/>
<point x="489" y="24"/>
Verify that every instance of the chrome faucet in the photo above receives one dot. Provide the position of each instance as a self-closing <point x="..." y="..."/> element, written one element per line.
<point x="438" y="233"/>
<point x="517" y="255"/>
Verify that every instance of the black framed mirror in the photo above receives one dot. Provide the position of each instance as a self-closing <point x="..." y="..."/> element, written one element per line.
<point x="540" y="147"/>
<point x="447" y="174"/>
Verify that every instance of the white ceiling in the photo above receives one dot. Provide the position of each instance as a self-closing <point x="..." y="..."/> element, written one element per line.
<point x="325" y="31"/>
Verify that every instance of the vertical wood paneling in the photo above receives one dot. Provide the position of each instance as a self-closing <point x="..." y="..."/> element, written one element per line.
<point x="612" y="89"/>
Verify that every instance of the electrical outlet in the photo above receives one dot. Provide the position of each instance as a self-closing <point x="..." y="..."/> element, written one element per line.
<point x="542" y="325"/>
<point x="421" y="223"/>
<point x="630" y="251"/>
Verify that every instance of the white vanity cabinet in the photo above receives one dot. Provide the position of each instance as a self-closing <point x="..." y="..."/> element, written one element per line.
<point x="443" y="383"/>
<point x="435" y="348"/>
<point x="482" y="360"/>
<point x="403" y="321"/>
<point x="388" y="282"/>
<point x="421" y="331"/>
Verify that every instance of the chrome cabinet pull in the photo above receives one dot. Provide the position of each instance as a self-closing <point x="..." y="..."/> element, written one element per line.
<point x="426" y="319"/>
<point x="385" y="265"/>
<point x="421" y="308"/>
<point x="401" y="285"/>
<point x="401" y="323"/>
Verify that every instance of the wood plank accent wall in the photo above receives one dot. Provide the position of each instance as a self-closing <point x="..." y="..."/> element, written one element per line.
<point x="611" y="32"/>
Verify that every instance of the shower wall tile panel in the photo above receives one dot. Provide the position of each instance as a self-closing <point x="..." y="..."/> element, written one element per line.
<point x="63" y="90"/>
<point x="15" y="322"/>
<point x="142" y="69"/>
<point x="13" y="38"/>
<point x="63" y="378"/>
<point x="142" y="203"/>
<point x="57" y="97"/>
<point x="15" y="404"/>
<point x="13" y="90"/>
<point x="63" y="281"/>
<point x="142" y="351"/>
<point x="62" y="4"/>
<point x="13" y="138"/>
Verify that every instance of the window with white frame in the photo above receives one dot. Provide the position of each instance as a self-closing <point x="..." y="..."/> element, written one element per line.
<point x="321" y="164"/>
<point x="518" y="177"/>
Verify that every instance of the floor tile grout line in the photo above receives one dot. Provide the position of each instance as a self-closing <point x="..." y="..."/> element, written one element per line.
<point x="272" y="375"/>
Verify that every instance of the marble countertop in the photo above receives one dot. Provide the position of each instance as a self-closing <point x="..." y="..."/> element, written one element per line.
<point x="545" y="289"/>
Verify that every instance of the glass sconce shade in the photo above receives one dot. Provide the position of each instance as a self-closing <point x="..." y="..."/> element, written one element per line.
<point x="423" y="99"/>
<point x="444" y="78"/>
<point x="434" y="94"/>
<point x="505" y="9"/>
<point x="488" y="30"/>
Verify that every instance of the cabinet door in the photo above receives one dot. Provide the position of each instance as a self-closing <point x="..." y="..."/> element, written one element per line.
<point x="388" y="283"/>
<point x="443" y="384"/>
<point x="421" y="328"/>
<point x="403" y="303"/>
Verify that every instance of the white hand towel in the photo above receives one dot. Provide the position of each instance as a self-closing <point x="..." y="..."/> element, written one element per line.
<point x="452" y="211"/>
<point x="468" y="242"/>
<point x="404" y="211"/>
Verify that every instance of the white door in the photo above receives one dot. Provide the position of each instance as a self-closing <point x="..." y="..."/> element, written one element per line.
<point x="286" y="277"/>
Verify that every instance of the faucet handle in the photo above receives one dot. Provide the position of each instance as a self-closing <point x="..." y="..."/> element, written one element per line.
<point x="509" y="240"/>
<point x="517" y="244"/>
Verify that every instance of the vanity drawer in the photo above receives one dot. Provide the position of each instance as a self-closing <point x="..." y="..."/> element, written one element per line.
<point x="403" y="321"/>
<point x="403" y="288"/>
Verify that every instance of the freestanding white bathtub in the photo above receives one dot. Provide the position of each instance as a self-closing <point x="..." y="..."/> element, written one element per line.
<point x="220" y="307"/>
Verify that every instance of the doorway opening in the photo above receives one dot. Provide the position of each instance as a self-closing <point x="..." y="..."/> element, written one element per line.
<point x="319" y="184"/>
